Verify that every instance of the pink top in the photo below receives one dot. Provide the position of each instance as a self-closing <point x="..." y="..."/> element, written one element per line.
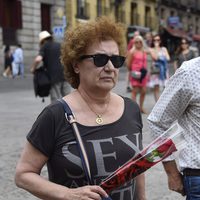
<point x="139" y="60"/>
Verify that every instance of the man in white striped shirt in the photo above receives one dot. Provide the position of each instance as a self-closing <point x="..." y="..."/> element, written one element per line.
<point x="180" y="101"/>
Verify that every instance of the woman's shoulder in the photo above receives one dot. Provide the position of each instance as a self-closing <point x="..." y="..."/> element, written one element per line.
<point x="129" y="103"/>
<point x="54" y="110"/>
<point x="163" y="49"/>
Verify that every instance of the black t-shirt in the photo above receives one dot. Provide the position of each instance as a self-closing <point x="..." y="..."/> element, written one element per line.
<point x="108" y="146"/>
<point x="50" y="52"/>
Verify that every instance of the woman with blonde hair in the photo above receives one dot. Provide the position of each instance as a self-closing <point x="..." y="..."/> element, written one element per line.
<point x="137" y="64"/>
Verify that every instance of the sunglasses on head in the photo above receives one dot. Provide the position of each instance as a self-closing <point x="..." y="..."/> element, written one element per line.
<point x="102" y="59"/>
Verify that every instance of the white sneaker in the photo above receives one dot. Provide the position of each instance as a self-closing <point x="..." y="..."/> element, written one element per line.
<point x="4" y="74"/>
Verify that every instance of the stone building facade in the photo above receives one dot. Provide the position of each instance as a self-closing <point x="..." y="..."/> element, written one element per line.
<point x="129" y="12"/>
<point x="22" y="20"/>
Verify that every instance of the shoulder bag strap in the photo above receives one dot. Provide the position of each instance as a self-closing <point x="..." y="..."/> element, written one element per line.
<point x="84" y="159"/>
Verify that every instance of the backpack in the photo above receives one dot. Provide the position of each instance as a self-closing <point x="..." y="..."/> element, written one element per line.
<point x="41" y="82"/>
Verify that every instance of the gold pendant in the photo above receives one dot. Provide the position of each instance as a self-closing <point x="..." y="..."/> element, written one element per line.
<point x="99" y="119"/>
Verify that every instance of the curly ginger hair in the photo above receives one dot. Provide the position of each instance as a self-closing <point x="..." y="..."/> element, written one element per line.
<point x="77" y="40"/>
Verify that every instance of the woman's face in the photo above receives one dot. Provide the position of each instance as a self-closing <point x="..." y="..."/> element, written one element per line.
<point x="156" y="41"/>
<point x="103" y="77"/>
<point x="138" y="44"/>
<point x="184" y="44"/>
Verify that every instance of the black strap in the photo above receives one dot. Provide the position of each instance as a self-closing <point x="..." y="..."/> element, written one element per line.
<point x="84" y="159"/>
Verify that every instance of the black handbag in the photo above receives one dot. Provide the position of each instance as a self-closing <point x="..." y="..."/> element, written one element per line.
<point x="84" y="159"/>
<point x="41" y="82"/>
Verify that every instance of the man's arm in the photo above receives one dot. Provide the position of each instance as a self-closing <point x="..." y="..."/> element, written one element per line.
<point x="170" y="107"/>
<point x="175" y="181"/>
<point x="37" y="61"/>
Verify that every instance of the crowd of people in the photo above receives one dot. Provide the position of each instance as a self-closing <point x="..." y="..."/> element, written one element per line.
<point x="149" y="53"/>
<point x="13" y="62"/>
<point x="110" y="136"/>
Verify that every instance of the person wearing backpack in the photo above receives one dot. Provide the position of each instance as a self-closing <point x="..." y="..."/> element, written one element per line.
<point x="49" y="54"/>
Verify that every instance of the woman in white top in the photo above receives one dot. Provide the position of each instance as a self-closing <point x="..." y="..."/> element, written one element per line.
<point x="160" y="57"/>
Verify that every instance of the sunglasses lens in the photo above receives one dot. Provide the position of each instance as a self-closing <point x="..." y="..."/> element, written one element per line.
<point x="117" y="61"/>
<point x="100" y="60"/>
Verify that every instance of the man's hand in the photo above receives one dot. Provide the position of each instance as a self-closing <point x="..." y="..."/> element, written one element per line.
<point x="37" y="61"/>
<point x="175" y="181"/>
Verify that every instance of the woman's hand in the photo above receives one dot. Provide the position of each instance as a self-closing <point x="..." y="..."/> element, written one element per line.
<point x="93" y="192"/>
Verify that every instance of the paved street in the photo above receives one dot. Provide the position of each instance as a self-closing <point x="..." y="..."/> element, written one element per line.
<point x="19" y="108"/>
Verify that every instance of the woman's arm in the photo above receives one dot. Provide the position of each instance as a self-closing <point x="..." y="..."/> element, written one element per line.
<point x="175" y="65"/>
<point x="167" y="54"/>
<point x="28" y="177"/>
<point x="129" y="59"/>
<point x="140" y="187"/>
<point x="153" y="54"/>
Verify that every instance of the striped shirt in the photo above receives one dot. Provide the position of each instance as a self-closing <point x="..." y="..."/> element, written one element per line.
<point x="180" y="101"/>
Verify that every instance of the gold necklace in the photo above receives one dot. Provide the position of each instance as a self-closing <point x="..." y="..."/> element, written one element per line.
<point x="99" y="119"/>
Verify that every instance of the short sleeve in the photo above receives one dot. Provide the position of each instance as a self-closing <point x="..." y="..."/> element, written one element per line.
<point x="42" y="133"/>
<point x="41" y="52"/>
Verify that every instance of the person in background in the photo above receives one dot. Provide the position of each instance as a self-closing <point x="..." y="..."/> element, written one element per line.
<point x="49" y="55"/>
<point x="130" y="45"/>
<point x="18" y="62"/>
<point x="131" y="42"/>
<point x="159" y="68"/>
<point x="8" y="59"/>
<point x="183" y="53"/>
<point x="137" y="64"/>
<point x="148" y="40"/>
<point x="92" y="54"/>
<point x="180" y="101"/>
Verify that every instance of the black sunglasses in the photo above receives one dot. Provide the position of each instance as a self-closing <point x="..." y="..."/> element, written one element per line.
<point x="102" y="59"/>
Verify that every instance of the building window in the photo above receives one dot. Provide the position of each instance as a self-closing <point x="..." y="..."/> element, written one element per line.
<point x="162" y="13"/>
<point x="147" y="16"/>
<point x="82" y="9"/>
<point x="134" y="14"/>
<point x="45" y="17"/>
<point x="10" y="20"/>
<point x="197" y="30"/>
<point x="99" y="8"/>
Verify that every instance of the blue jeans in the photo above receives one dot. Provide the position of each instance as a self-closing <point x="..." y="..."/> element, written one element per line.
<point x="192" y="187"/>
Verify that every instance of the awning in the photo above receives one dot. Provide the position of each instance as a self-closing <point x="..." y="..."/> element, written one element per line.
<point x="196" y="37"/>
<point x="182" y="34"/>
<point x="177" y="32"/>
